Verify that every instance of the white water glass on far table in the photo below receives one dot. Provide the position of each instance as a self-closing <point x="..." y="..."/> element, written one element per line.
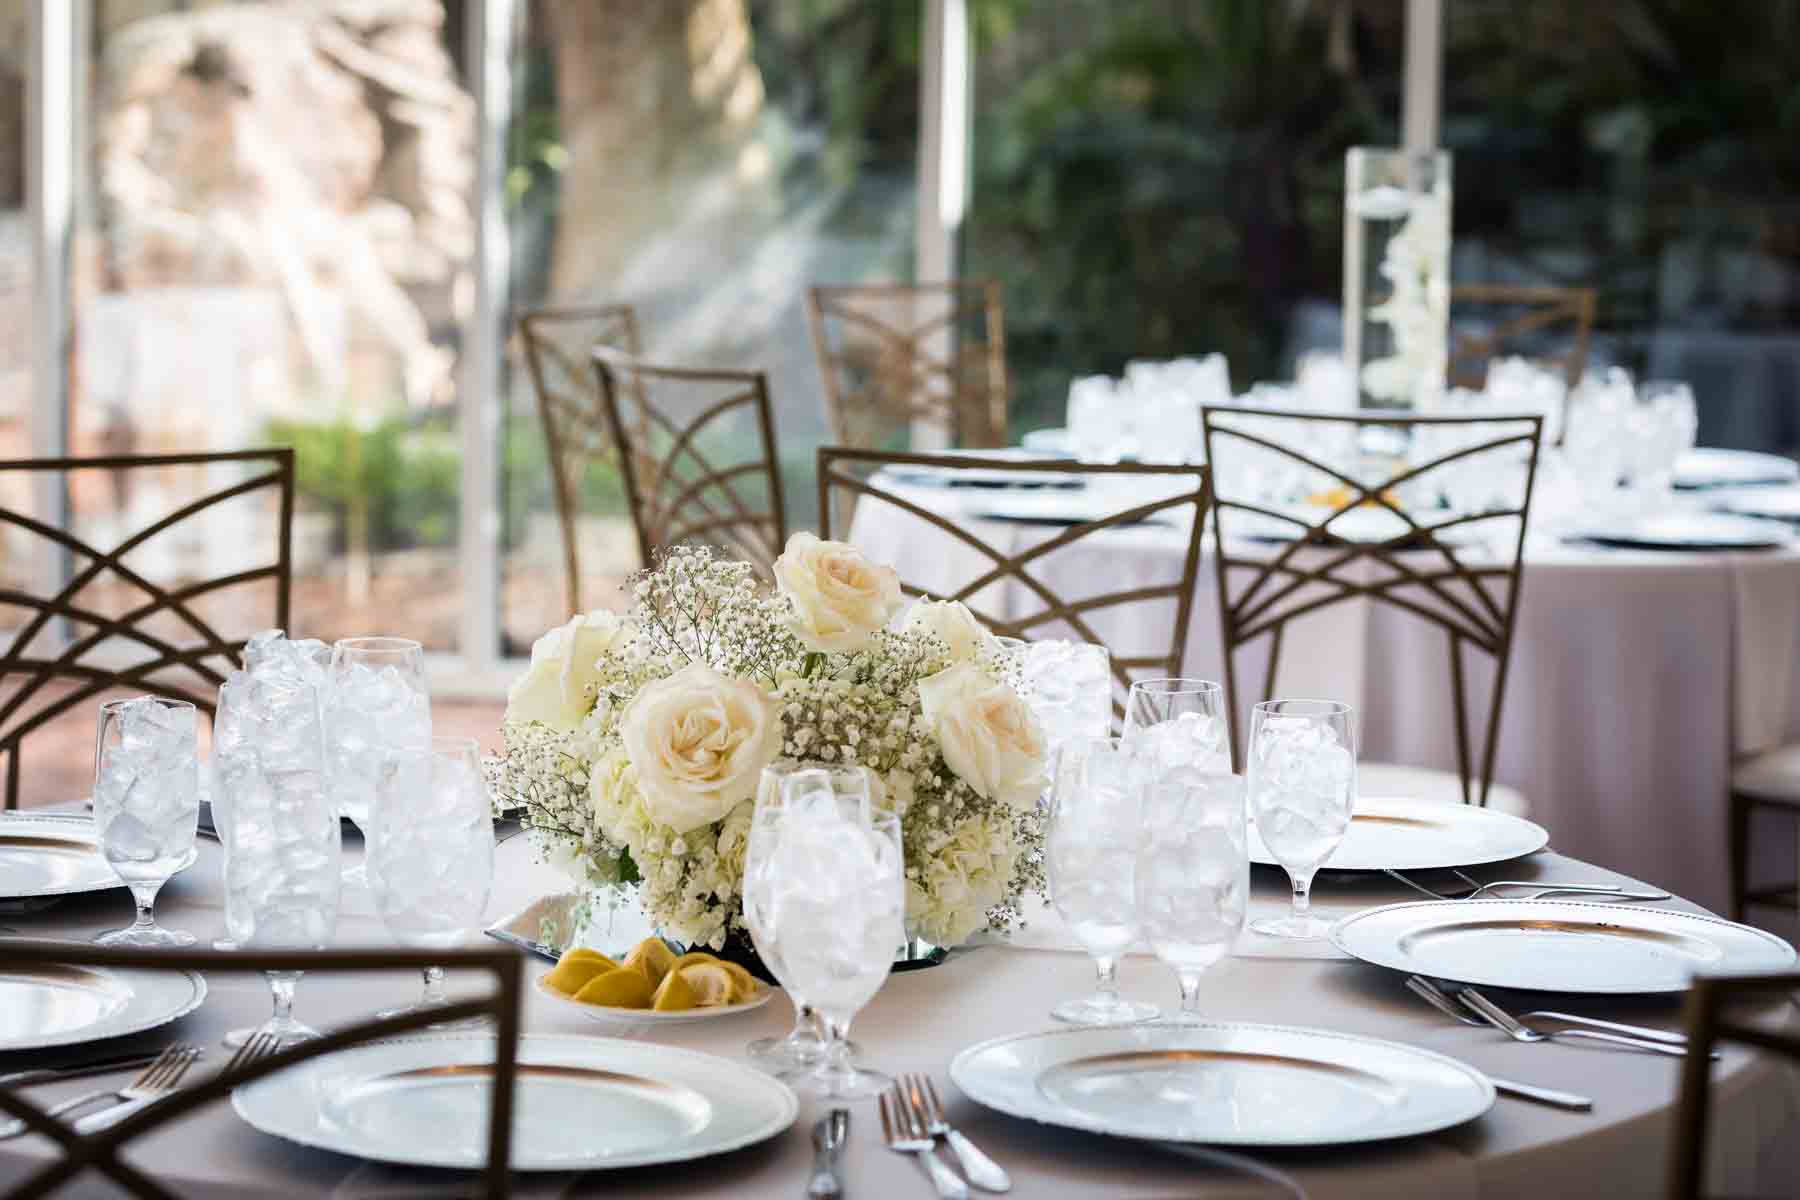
<point x="1301" y="779"/>
<point x="1096" y="822"/>
<point x="146" y="804"/>
<point x="378" y="702"/>
<point x="1193" y="871"/>
<point x="1178" y="722"/>
<point x="430" y="847"/>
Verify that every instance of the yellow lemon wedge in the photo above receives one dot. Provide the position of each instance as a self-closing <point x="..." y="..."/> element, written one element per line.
<point x="673" y="994"/>
<point x="617" y="988"/>
<point x="709" y="982"/>
<point x="690" y="958"/>
<point x="743" y="983"/>
<point x="575" y="968"/>
<point x="652" y="957"/>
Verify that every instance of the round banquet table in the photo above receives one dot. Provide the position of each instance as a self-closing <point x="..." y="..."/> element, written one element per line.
<point x="1636" y="677"/>
<point x="920" y="1019"/>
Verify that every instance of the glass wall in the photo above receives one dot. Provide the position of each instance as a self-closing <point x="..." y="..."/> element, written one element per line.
<point x="704" y="161"/>
<point x="1158" y="178"/>
<point x="1647" y="149"/>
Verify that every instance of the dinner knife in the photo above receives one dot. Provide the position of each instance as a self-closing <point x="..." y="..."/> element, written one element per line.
<point x="1543" y="1095"/>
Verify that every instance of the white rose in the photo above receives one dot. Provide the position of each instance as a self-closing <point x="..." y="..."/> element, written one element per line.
<point x="840" y="598"/>
<point x="953" y="624"/>
<point x="564" y="664"/>
<point x="988" y="735"/>
<point x="698" y="743"/>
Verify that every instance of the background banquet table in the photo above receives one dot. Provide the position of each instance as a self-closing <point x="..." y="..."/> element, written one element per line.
<point x="1636" y="675"/>
<point x="920" y="1019"/>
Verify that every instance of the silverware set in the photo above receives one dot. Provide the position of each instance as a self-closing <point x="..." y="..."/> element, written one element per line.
<point x="1600" y="892"/>
<point x="912" y="1121"/>
<point x="1470" y="1007"/>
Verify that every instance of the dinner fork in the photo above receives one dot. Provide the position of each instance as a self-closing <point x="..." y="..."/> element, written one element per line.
<point x="905" y="1134"/>
<point x="1443" y="997"/>
<point x="1506" y="1023"/>
<point x="1599" y="891"/>
<point x="144" y="1090"/>
<point x="173" y="1061"/>
<point x="921" y="1096"/>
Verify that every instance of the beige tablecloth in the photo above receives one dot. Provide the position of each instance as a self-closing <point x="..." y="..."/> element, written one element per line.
<point x="921" y="1019"/>
<point x="1636" y="675"/>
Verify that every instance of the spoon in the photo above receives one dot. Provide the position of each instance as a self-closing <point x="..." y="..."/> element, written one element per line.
<point x="828" y="1138"/>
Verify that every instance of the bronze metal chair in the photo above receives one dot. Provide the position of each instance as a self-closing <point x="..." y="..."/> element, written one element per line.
<point x="1708" y="1023"/>
<point x="678" y="487"/>
<point x="893" y="354"/>
<point x="1520" y="314"/>
<point x="100" y="1151"/>
<point x="858" y="473"/>
<point x="1419" y="567"/>
<point x="557" y="342"/>
<point x="87" y="657"/>
<point x="1767" y="780"/>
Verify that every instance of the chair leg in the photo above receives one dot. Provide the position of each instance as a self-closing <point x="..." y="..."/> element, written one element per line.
<point x="1741" y="806"/>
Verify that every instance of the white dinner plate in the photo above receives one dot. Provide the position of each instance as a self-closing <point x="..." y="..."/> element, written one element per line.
<point x="55" y="854"/>
<point x="646" y="1016"/>
<point x="1556" y="945"/>
<point x="1223" y="1084"/>
<point x="581" y="1103"/>
<point x="983" y="477"/>
<point x="1690" y="531"/>
<point x="56" y="1005"/>
<point x="1061" y="507"/>
<point x="1395" y="834"/>
<point x="1770" y="503"/>
<point x="1057" y="442"/>
<point x="1707" y="467"/>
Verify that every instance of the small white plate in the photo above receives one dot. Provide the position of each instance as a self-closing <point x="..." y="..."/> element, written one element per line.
<point x="1223" y="1084"/>
<point x="1557" y="945"/>
<point x="581" y="1104"/>
<point x="1707" y="467"/>
<point x="1395" y="834"/>
<point x="55" y="854"/>
<point x="1691" y="531"/>
<point x="648" y="1016"/>
<point x="43" y="1006"/>
<point x="1769" y="503"/>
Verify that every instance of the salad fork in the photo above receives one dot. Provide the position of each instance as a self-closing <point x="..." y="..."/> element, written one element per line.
<point x="1506" y="1023"/>
<point x="920" y="1094"/>
<point x="906" y="1134"/>
<point x="170" y="1065"/>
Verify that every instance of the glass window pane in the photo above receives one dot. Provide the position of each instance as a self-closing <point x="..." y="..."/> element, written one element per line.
<point x="705" y="162"/>
<point x="17" y="315"/>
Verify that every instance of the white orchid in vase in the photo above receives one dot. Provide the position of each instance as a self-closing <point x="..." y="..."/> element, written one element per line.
<point x="635" y="744"/>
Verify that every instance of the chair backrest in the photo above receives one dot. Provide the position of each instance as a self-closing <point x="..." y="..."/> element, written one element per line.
<point x="1551" y="324"/>
<point x="1708" y="1023"/>
<point x="895" y="354"/>
<point x="705" y="451"/>
<point x="1283" y="479"/>
<point x="100" y="1151"/>
<point x="557" y="342"/>
<point x="1180" y="492"/>
<point x="160" y="642"/>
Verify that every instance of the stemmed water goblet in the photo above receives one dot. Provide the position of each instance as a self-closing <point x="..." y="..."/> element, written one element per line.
<point x="1091" y="855"/>
<point x="431" y="850"/>
<point x="1301" y="780"/>
<point x="146" y="805"/>
<point x="377" y="702"/>
<point x="1193" y="872"/>
<point x="1179" y="719"/>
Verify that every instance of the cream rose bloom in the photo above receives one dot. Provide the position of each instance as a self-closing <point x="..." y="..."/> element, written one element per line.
<point x="841" y="599"/>
<point x="988" y="735"/>
<point x="698" y="743"/>
<point x="553" y="690"/>
<point x="953" y="624"/>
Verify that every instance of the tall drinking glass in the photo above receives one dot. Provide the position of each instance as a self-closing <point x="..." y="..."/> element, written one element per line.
<point x="146" y="805"/>
<point x="1095" y="826"/>
<point x="431" y="850"/>
<point x="834" y="899"/>
<point x="378" y="702"/>
<point x="1193" y="872"/>
<point x="782" y="781"/>
<point x="283" y="865"/>
<point x="1302" y="784"/>
<point x="1179" y="720"/>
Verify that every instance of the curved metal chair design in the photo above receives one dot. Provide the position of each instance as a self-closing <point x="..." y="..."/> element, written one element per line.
<point x="1708" y="1023"/>
<point x="1523" y="317"/>
<point x="99" y="1151"/>
<point x="557" y="342"/>
<point x="677" y="485"/>
<point x="87" y="658"/>
<point x="893" y="354"/>
<point x="1276" y="563"/>
<point x="856" y="474"/>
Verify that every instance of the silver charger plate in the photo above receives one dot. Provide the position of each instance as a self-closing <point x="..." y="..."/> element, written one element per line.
<point x="1556" y="945"/>
<point x="55" y="1005"/>
<point x="55" y="854"/>
<point x="1705" y="467"/>
<point x="1691" y="531"/>
<point x="1397" y="834"/>
<point x="582" y="1103"/>
<point x="1225" y="1084"/>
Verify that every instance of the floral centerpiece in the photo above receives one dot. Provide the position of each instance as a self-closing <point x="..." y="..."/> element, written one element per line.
<point x="635" y="744"/>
